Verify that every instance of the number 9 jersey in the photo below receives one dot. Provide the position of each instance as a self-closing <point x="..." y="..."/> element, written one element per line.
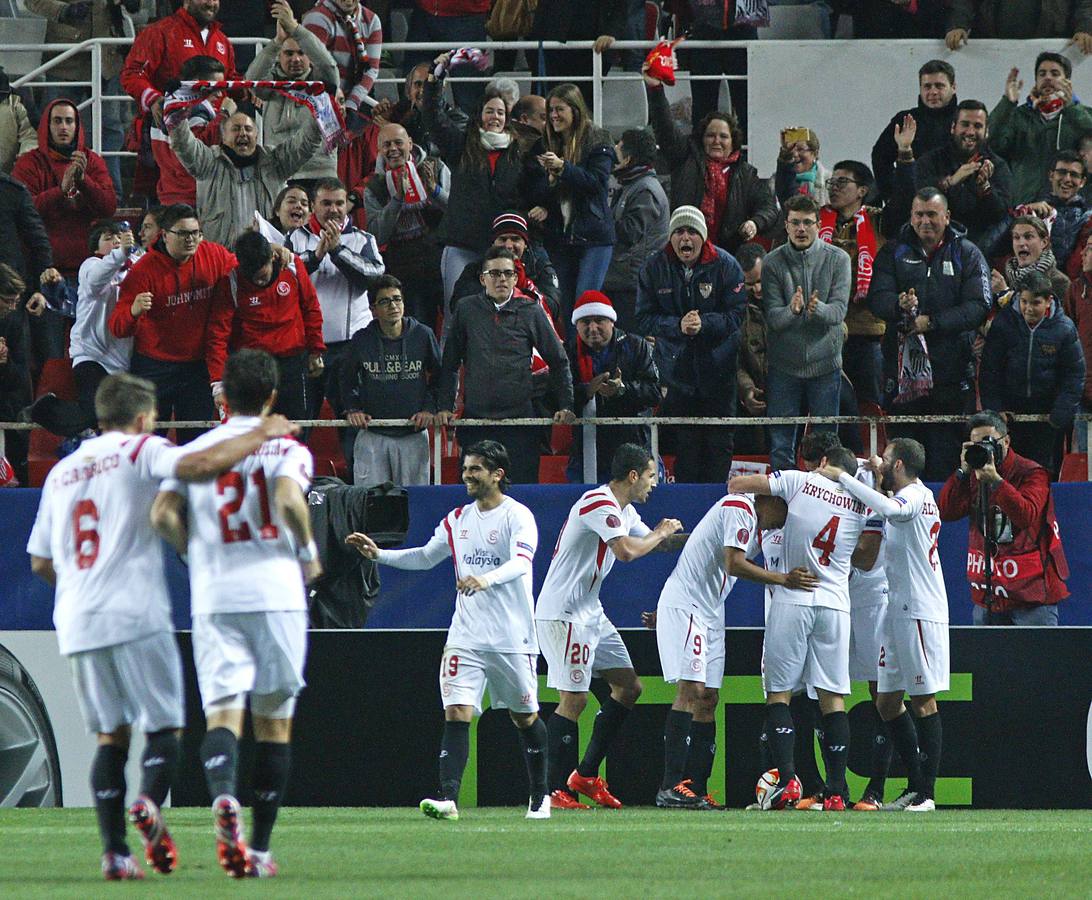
<point x="241" y="558"/>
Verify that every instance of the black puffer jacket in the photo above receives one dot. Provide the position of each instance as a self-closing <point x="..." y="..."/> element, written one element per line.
<point x="934" y="130"/>
<point x="749" y="197"/>
<point x="585" y="185"/>
<point x="953" y="290"/>
<point x="1026" y="370"/>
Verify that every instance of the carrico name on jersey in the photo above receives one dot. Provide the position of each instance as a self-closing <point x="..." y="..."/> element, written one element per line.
<point x="93" y="522"/>
<point x="582" y="557"/>
<point x="242" y="559"/>
<point x="699" y="583"/>
<point x="821" y="531"/>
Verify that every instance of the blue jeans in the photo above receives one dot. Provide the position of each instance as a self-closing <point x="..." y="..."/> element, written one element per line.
<point x="1034" y="615"/>
<point x="458" y="31"/>
<point x="578" y="269"/>
<point x="787" y="395"/>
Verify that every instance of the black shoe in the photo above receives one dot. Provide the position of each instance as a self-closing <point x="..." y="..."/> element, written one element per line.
<point x="38" y="409"/>
<point x="678" y="797"/>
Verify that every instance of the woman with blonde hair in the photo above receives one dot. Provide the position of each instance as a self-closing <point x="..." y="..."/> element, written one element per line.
<point x="569" y="184"/>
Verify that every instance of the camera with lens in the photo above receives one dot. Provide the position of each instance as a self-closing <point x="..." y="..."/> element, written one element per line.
<point x="984" y="452"/>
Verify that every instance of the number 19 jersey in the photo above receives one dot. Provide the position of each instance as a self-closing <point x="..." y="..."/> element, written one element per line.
<point x="242" y="559"/>
<point x="821" y="531"/>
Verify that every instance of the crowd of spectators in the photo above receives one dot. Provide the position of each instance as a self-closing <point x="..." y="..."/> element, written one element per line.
<point x="474" y="250"/>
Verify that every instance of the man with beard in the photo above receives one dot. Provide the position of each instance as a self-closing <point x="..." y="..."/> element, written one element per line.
<point x="239" y="176"/>
<point x="1030" y="134"/>
<point x="975" y="180"/>
<point x="932" y="118"/>
<point x="914" y="654"/>
<point x="295" y="54"/>
<point x="404" y="203"/>
<point x="932" y="287"/>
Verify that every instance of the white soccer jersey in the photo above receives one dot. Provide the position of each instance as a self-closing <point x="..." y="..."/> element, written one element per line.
<point x="93" y="522"/>
<point x="869" y="588"/>
<point x="913" y="529"/>
<point x="821" y="532"/>
<point x="242" y="559"/>
<point x="772" y="541"/>
<point x="699" y="583"/>
<point x="500" y="618"/>
<point x="582" y="559"/>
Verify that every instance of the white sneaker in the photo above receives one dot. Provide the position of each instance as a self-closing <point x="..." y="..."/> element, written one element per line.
<point x="542" y="811"/>
<point x="922" y="804"/>
<point x="901" y="802"/>
<point x="440" y="809"/>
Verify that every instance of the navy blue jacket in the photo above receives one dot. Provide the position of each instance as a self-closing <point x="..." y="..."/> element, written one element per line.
<point x="953" y="290"/>
<point x="1040" y="370"/>
<point x="586" y="184"/>
<point x="703" y="364"/>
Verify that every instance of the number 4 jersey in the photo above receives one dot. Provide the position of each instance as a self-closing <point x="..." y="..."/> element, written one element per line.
<point x="241" y="558"/>
<point x="93" y="522"/>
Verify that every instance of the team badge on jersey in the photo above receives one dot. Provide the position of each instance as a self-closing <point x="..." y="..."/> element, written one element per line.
<point x="283" y="288"/>
<point x="492" y="536"/>
<point x="613" y="521"/>
<point x="705" y="289"/>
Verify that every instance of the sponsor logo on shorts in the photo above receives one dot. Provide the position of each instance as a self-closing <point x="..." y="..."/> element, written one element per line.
<point x="576" y="676"/>
<point x="743" y="535"/>
<point x="613" y="521"/>
<point x="525" y="698"/>
<point x="918" y="679"/>
<point x="446" y="689"/>
<point x="695" y="664"/>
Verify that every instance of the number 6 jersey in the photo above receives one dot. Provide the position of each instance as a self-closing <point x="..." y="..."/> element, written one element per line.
<point x="242" y="559"/>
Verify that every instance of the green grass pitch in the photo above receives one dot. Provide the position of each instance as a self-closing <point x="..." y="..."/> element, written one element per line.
<point x="637" y="852"/>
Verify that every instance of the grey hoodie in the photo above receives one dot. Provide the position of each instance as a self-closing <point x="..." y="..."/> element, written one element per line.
<point x="808" y="344"/>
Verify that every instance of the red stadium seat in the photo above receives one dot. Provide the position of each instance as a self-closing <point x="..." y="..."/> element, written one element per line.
<point x="561" y="439"/>
<point x="325" y="446"/>
<point x="1074" y="467"/>
<point x="551" y="469"/>
<point x="42" y="455"/>
<point x="56" y="377"/>
<point x="873" y="409"/>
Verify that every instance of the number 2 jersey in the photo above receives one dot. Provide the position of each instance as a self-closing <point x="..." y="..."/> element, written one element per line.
<point x="699" y="583"/>
<point x="821" y="531"/>
<point x="582" y="558"/>
<point x="93" y="522"/>
<point x="481" y="542"/>
<point x="913" y="564"/>
<point x="241" y="558"/>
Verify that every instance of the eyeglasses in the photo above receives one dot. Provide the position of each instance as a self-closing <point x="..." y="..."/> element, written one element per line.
<point x="390" y="301"/>
<point x="186" y="235"/>
<point x="840" y="182"/>
<point x="501" y="273"/>
<point x="1064" y="174"/>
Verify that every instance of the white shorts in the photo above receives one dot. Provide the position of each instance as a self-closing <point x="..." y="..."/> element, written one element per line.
<point x="512" y="679"/>
<point x="138" y="682"/>
<point x="806" y="644"/>
<point x="914" y="656"/>
<point x="260" y="653"/>
<point x="689" y="649"/>
<point x="865" y="637"/>
<point x="576" y="652"/>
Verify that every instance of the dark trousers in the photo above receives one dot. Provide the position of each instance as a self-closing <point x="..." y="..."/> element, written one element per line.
<point x="718" y="62"/>
<point x="292" y="384"/>
<point x="862" y="361"/>
<point x="328" y="387"/>
<point x="1038" y="441"/>
<point x="182" y="391"/>
<point x="417" y="264"/>
<point x="942" y="442"/>
<point x="458" y="31"/>
<point x="69" y="417"/>
<point x="521" y="442"/>
<point x="703" y="453"/>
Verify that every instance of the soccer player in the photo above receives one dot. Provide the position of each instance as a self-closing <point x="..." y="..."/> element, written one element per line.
<point x="492" y="640"/>
<point x="93" y="540"/>
<point x="690" y="634"/>
<point x="807" y="630"/>
<point x="914" y="654"/>
<point x="577" y="638"/>
<point x="250" y="549"/>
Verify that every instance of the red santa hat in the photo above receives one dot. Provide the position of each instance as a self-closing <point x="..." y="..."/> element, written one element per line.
<point x="594" y="303"/>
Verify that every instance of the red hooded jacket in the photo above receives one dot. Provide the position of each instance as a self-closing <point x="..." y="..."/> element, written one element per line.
<point x="283" y="318"/>
<point x="67" y="219"/>
<point x="160" y="49"/>
<point x="173" y="330"/>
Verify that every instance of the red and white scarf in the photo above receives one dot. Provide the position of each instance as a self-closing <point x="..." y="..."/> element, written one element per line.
<point x="352" y="32"/>
<point x="411" y="223"/>
<point x="718" y="177"/>
<point x="178" y="104"/>
<point x="866" y="244"/>
<point x="1048" y="107"/>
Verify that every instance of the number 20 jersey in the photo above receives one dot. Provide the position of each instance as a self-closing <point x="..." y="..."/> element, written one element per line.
<point x="241" y="558"/>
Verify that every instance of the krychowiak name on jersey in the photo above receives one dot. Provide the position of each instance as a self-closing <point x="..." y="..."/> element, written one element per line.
<point x="497" y="545"/>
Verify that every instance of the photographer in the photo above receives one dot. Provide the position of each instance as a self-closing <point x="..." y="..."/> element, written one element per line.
<point x="1015" y="563"/>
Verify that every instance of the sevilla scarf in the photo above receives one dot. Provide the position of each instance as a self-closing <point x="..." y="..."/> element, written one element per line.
<point x="404" y="182"/>
<point x="866" y="244"/>
<point x="718" y="175"/>
<point x="352" y="31"/>
<point x="464" y="56"/>
<point x="1017" y="275"/>
<point x="181" y="102"/>
<point x="1048" y="107"/>
<point x="915" y="378"/>
<point x="662" y="62"/>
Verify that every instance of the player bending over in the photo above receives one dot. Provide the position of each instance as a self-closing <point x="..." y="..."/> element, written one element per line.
<point x="491" y="641"/>
<point x="94" y="541"/>
<point x="690" y="635"/>
<point x="250" y="550"/>
<point x="914" y="652"/>
<point x="577" y="638"/>
<point x="807" y="629"/>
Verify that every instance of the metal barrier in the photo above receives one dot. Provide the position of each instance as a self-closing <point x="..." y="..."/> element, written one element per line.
<point x="653" y="422"/>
